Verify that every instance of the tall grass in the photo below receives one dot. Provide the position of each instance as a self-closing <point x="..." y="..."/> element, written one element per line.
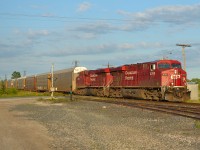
<point x="13" y="92"/>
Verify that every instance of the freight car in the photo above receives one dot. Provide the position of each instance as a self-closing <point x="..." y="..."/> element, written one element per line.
<point x="156" y="80"/>
<point x="64" y="81"/>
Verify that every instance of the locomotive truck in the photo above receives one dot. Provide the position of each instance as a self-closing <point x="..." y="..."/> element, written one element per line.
<point x="155" y="80"/>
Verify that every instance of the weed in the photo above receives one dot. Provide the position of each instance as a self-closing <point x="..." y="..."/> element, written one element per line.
<point x="197" y="124"/>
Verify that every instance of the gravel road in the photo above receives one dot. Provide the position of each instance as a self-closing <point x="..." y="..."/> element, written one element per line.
<point x="86" y="125"/>
<point x="18" y="132"/>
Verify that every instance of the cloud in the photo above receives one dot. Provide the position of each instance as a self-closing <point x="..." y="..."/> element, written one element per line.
<point x="32" y="33"/>
<point x="9" y="50"/>
<point x="97" y="28"/>
<point x="84" y="7"/>
<point x="173" y="15"/>
<point x="38" y="33"/>
<point x="92" y="30"/>
<point x="21" y="43"/>
<point x="101" y="49"/>
<point x="176" y="17"/>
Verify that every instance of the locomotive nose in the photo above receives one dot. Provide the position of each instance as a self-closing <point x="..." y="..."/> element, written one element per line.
<point x="176" y="77"/>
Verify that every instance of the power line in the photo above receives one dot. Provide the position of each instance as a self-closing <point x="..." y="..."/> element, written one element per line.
<point x="89" y="19"/>
<point x="62" y="17"/>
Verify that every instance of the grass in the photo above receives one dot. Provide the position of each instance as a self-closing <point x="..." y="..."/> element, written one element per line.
<point x="12" y="92"/>
<point x="197" y="124"/>
<point x="193" y="101"/>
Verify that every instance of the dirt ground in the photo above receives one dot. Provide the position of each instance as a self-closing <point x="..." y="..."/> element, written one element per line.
<point x="18" y="133"/>
<point x="27" y="124"/>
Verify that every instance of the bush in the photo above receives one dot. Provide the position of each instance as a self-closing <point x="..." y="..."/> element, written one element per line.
<point x="2" y="88"/>
<point x="12" y="91"/>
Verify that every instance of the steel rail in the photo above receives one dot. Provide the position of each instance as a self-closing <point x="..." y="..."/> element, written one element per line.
<point x="186" y="110"/>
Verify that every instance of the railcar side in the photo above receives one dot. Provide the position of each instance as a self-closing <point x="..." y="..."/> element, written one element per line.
<point x="64" y="81"/>
<point x="21" y="82"/>
<point x="42" y="82"/>
<point x="30" y="83"/>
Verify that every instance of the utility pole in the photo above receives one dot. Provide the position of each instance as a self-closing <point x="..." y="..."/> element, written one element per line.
<point x="183" y="53"/>
<point x="24" y="73"/>
<point x="52" y="88"/>
<point x="76" y="62"/>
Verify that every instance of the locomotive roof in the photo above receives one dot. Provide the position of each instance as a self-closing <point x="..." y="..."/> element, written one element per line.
<point x="101" y="70"/>
<point x="162" y="60"/>
<point x="123" y="67"/>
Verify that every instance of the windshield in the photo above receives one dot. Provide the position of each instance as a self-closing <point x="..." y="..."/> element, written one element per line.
<point x="163" y="66"/>
<point x="176" y="65"/>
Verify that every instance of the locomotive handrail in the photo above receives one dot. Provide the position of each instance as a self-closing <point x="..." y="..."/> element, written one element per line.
<point x="110" y="82"/>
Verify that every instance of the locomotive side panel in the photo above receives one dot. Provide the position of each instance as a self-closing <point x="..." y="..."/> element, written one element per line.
<point x="83" y="79"/>
<point x="96" y="78"/>
<point x="148" y="76"/>
<point x="117" y="74"/>
<point x="130" y="76"/>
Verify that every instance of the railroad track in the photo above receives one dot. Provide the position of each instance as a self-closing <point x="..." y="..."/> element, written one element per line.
<point x="182" y="109"/>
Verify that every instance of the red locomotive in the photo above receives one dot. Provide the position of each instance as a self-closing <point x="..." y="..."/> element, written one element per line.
<point x="157" y="80"/>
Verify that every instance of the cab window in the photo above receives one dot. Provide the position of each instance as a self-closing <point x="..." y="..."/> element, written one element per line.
<point x="176" y="65"/>
<point x="152" y="66"/>
<point x="163" y="66"/>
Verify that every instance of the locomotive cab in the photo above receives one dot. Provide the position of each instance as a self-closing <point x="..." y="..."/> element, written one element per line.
<point x="173" y="80"/>
<point x="171" y="73"/>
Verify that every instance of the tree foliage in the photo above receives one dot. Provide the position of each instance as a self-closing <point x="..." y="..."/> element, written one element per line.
<point x="15" y="75"/>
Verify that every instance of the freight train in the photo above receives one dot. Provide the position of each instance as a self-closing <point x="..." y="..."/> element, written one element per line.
<point x="64" y="81"/>
<point x="155" y="80"/>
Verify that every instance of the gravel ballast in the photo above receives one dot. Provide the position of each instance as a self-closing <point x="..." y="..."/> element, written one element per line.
<point x="86" y="125"/>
